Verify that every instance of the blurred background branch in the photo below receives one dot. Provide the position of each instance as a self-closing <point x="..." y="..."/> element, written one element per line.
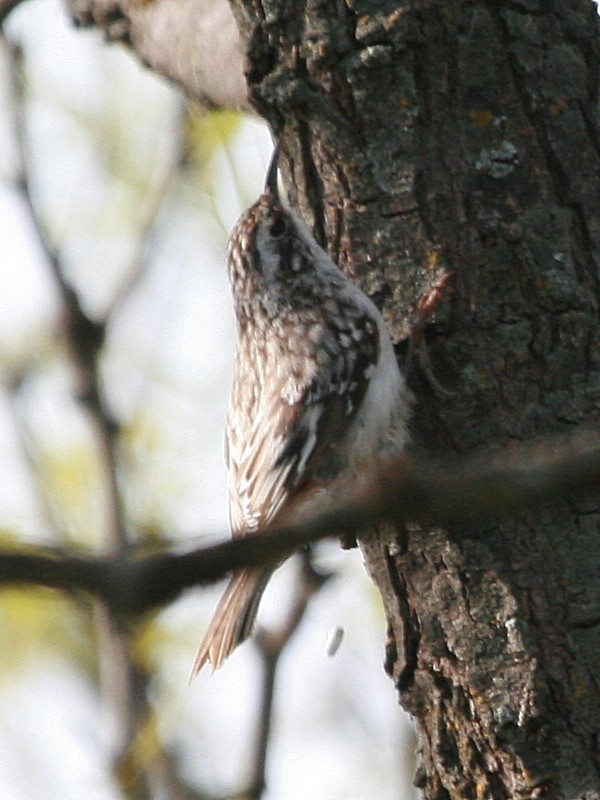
<point x="123" y="683"/>
<point x="195" y="43"/>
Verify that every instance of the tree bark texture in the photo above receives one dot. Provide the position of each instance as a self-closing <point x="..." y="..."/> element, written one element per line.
<point x="426" y="139"/>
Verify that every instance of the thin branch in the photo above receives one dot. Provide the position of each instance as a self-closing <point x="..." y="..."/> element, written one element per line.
<point x="456" y="496"/>
<point x="123" y="685"/>
<point x="271" y="645"/>
<point x="84" y="337"/>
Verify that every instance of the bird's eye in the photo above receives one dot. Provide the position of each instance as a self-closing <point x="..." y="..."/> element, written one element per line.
<point x="277" y="228"/>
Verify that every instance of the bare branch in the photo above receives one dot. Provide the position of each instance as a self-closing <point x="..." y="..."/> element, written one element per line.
<point x="192" y="42"/>
<point x="123" y="683"/>
<point x="455" y="495"/>
<point x="271" y="645"/>
<point x="84" y="337"/>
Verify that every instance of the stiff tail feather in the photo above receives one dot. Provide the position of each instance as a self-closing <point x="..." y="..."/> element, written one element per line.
<point x="233" y="620"/>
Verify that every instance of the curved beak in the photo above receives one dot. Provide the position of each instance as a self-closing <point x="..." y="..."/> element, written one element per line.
<point x="271" y="179"/>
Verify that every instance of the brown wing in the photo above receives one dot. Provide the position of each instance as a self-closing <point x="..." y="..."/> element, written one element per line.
<point x="283" y="433"/>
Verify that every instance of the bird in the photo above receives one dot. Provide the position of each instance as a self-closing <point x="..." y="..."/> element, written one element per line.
<point x="317" y="392"/>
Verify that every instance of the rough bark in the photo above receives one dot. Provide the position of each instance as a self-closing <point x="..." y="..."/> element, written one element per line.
<point x="422" y="137"/>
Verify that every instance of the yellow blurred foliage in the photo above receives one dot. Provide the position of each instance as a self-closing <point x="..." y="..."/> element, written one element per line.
<point x="142" y="434"/>
<point x="36" y="623"/>
<point x="210" y="131"/>
<point x="75" y="491"/>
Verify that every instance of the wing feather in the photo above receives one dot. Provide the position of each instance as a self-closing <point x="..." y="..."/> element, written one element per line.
<point x="293" y="434"/>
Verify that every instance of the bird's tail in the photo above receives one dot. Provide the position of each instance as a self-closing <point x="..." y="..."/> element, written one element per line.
<point x="233" y="620"/>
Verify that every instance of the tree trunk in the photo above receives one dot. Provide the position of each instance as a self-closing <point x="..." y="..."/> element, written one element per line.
<point x="424" y="137"/>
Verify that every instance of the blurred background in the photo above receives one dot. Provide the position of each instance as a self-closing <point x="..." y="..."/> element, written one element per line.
<point x="111" y="183"/>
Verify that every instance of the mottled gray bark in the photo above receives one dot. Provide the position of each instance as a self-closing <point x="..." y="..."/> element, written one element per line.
<point x="423" y="137"/>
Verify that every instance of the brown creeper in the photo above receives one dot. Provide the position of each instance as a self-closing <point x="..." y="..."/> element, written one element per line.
<point x="317" y="391"/>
